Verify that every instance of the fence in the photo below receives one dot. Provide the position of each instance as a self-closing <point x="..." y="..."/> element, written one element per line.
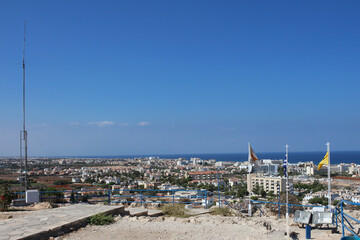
<point x="160" y="196"/>
<point x="345" y="219"/>
<point x="141" y="196"/>
<point x="291" y="206"/>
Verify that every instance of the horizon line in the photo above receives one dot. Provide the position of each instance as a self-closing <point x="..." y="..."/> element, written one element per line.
<point x="161" y="154"/>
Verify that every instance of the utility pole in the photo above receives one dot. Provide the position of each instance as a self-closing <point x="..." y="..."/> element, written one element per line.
<point x="329" y="177"/>
<point x="287" y="193"/>
<point x="249" y="181"/>
<point x="23" y="133"/>
<point x="217" y="175"/>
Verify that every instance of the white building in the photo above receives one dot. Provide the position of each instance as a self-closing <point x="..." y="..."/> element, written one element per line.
<point x="268" y="168"/>
<point x="355" y="199"/>
<point x="309" y="170"/>
<point x="267" y="183"/>
<point x="196" y="161"/>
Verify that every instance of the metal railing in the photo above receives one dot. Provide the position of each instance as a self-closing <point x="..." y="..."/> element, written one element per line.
<point x="279" y="204"/>
<point x="344" y="218"/>
<point x="143" y="196"/>
<point x="140" y="196"/>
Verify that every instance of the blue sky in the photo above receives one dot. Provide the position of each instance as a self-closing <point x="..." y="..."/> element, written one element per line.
<point x="146" y="77"/>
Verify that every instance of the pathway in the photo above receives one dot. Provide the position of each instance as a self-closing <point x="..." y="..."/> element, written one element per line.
<point x="46" y="223"/>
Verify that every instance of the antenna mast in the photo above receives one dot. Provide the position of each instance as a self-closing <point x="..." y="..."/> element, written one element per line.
<point x="23" y="133"/>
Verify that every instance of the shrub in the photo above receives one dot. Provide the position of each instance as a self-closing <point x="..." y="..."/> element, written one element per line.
<point x="6" y="196"/>
<point x="130" y="199"/>
<point x="319" y="200"/>
<point x="221" y="211"/>
<point x="83" y="198"/>
<point x="72" y="197"/>
<point x="274" y="208"/>
<point x="176" y="210"/>
<point x="184" y="200"/>
<point x="62" y="182"/>
<point x="101" y="219"/>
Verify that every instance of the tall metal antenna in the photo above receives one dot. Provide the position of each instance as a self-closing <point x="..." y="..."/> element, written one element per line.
<point x="23" y="133"/>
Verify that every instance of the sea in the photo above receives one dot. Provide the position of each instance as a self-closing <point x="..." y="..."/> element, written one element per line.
<point x="336" y="157"/>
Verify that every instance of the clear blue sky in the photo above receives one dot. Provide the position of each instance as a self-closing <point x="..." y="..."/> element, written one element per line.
<point x="142" y="77"/>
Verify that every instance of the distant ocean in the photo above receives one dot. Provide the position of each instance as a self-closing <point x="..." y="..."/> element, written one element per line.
<point x="336" y="157"/>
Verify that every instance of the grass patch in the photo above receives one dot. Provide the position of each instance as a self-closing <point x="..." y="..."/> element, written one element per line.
<point x="221" y="211"/>
<point x="177" y="210"/>
<point x="101" y="219"/>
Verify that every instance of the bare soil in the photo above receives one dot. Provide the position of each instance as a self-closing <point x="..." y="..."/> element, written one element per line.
<point x="201" y="227"/>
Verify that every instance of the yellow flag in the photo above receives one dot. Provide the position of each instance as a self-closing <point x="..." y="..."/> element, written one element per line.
<point x="324" y="161"/>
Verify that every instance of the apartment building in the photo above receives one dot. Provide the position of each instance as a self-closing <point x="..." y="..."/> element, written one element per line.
<point x="207" y="175"/>
<point x="269" y="183"/>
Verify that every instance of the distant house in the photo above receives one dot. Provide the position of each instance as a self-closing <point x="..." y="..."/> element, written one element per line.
<point x="112" y="180"/>
<point x="355" y="199"/>
<point x="208" y="175"/>
<point x="75" y="180"/>
<point x="115" y="187"/>
<point x="321" y="194"/>
<point x="165" y="186"/>
<point x="234" y="181"/>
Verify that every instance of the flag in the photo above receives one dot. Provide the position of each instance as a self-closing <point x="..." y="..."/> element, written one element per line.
<point x="285" y="166"/>
<point x="252" y="155"/>
<point x="325" y="160"/>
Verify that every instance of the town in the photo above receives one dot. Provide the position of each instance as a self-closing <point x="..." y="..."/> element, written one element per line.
<point x="223" y="180"/>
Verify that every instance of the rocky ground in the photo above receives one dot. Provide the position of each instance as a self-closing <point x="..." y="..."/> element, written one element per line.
<point x="200" y="227"/>
<point x="196" y="227"/>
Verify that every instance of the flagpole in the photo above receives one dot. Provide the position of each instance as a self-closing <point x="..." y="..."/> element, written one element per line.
<point x="329" y="183"/>
<point x="249" y="168"/>
<point x="287" y="193"/>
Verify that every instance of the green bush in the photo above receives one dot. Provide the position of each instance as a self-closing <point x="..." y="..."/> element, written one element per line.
<point x="62" y="182"/>
<point x="101" y="219"/>
<point x="83" y="198"/>
<point x="6" y="196"/>
<point x="221" y="211"/>
<point x="319" y="200"/>
<point x="176" y="210"/>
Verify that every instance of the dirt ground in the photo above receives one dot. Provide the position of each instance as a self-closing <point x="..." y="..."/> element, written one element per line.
<point x="200" y="227"/>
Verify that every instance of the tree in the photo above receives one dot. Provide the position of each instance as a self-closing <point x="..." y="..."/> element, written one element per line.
<point x="292" y="200"/>
<point x="256" y="189"/>
<point x="281" y="171"/>
<point x="319" y="200"/>
<point x="271" y="194"/>
<point x="72" y="197"/>
<point x="241" y="192"/>
<point x="262" y="192"/>
<point x="6" y="196"/>
<point x="243" y="172"/>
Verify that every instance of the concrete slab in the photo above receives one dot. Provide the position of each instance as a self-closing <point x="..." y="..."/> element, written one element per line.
<point x="43" y="224"/>
<point x="136" y="212"/>
<point x="154" y="213"/>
